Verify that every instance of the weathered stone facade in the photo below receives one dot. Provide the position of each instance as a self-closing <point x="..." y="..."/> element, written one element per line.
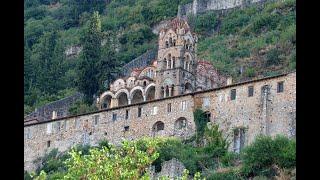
<point x="268" y="113"/>
<point x="200" y="6"/>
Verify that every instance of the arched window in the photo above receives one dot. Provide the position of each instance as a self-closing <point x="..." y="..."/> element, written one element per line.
<point x="158" y="126"/>
<point x="167" y="44"/>
<point x="174" y="42"/>
<point x="165" y="63"/>
<point x="144" y="83"/>
<point x="170" y="41"/>
<point x="181" y="123"/>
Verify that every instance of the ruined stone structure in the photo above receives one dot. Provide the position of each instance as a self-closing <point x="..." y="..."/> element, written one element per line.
<point x="200" y="6"/>
<point x="159" y="100"/>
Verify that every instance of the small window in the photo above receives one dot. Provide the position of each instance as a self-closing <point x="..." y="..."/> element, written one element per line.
<point x="48" y="144"/>
<point x="139" y="111"/>
<point x="250" y="91"/>
<point x="183" y="105"/>
<point x="233" y="94"/>
<point x="49" y="128"/>
<point x="154" y="110"/>
<point x="169" y="107"/>
<point x="77" y="123"/>
<point x="206" y="102"/>
<point x="96" y="119"/>
<point x="114" y="116"/>
<point x="127" y="114"/>
<point x="280" y="87"/>
<point x="126" y="128"/>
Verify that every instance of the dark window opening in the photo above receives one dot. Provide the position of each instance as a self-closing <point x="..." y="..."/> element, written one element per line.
<point x="207" y="115"/>
<point x="169" y="107"/>
<point x="233" y="94"/>
<point x="280" y="87"/>
<point x="48" y="143"/>
<point x="114" y="116"/>
<point x="105" y="133"/>
<point x="126" y="128"/>
<point x="144" y="83"/>
<point x="250" y="91"/>
<point x="139" y="111"/>
<point x="127" y="114"/>
<point x="158" y="126"/>
<point x="90" y="133"/>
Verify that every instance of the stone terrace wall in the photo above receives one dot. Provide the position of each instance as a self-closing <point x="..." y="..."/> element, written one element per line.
<point x="270" y="115"/>
<point x="67" y="132"/>
<point x="200" y="6"/>
<point x="252" y="113"/>
<point x="61" y="107"/>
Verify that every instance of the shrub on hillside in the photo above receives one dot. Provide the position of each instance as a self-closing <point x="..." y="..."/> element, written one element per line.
<point x="264" y="153"/>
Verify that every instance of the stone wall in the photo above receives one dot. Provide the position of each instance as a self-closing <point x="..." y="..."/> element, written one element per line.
<point x="200" y="6"/>
<point x="61" y="107"/>
<point x="276" y="113"/>
<point x="139" y="62"/>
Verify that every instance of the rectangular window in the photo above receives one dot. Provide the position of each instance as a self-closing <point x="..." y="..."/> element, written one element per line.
<point x="48" y="144"/>
<point x="183" y="105"/>
<point x="127" y="114"/>
<point x="169" y="107"/>
<point x="28" y="135"/>
<point x="154" y="110"/>
<point x="233" y="94"/>
<point x="77" y="123"/>
<point x="139" y="111"/>
<point x="65" y="125"/>
<point x="206" y="102"/>
<point x="49" y="128"/>
<point x="250" y="91"/>
<point x="114" y="116"/>
<point x="58" y="126"/>
<point x="280" y="87"/>
<point x="126" y="128"/>
<point x="96" y="119"/>
<point x="239" y="139"/>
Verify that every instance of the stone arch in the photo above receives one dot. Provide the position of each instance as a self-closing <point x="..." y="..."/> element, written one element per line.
<point x="123" y="97"/>
<point x="188" y="88"/>
<point x="137" y="95"/>
<point x="180" y="123"/>
<point x="106" y="99"/>
<point x="118" y="84"/>
<point x="158" y="126"/>
<point x="150" y="91"/>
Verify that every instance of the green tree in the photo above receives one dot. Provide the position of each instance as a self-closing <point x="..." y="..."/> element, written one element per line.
<point x="88" y="71"/>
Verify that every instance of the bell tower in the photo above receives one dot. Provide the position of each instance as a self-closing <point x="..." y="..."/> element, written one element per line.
<point x="176" y="62"/>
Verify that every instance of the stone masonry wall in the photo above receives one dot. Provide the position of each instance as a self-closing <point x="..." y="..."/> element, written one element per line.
<point x="200" y="6"/>
<point x="277" y="115"/>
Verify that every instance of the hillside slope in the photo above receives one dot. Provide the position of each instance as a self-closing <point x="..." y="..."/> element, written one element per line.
<point x="255" y="41"/>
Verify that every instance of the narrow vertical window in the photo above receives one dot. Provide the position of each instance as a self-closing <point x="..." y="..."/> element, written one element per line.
<point x="139" y="111"/>
<point x="280" y="87"/>
<point x="96" y="119"/>
<point x="114" y="116"/>
<point x="127" y="114"/>
<point x="169" y="107"/>
<point x="250" y="91"/>
<point x="48" y="144"/>
<point x="126" y="128"/>
<point x="239" y="139"/>
<point x="154" y="110"/>
<point x="233" y="94"/>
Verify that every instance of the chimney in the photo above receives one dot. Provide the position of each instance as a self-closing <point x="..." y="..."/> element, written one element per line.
<point x="229" y="80"/>
<point x="54" y="114"/>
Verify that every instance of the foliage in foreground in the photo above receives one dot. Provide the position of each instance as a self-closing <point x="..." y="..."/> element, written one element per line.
<point x="265" y="154"/>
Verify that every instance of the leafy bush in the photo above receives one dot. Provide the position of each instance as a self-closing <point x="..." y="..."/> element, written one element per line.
<point x="81" y="107"/>
<point x="250" y="72"/>
<point x="265" y="152"/>
<point x="231" y="175"/>
<point x="273" y="57"/>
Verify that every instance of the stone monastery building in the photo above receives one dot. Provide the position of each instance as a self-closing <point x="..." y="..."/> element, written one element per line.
<point x="159" y="100"/>
<point x="176" y="71"/>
